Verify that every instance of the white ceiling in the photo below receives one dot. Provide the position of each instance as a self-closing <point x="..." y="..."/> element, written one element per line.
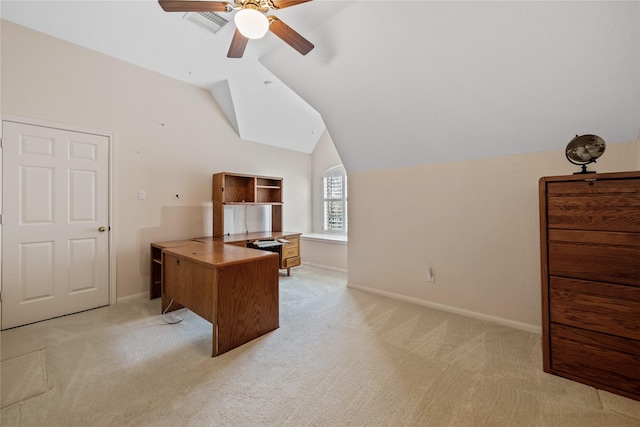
<point x="397" y="83"/>
<point x="141" y="33"/>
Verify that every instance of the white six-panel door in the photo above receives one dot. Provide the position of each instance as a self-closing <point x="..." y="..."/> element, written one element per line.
<point x="55" y="244"/>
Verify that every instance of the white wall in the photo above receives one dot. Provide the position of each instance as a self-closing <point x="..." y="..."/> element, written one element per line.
<point x="170" y="137"/>
<point x="475" y="222"/>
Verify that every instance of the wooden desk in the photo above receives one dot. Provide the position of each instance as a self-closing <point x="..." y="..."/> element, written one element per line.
<point x="234" y="288"/>
<point x="289" y="255"/>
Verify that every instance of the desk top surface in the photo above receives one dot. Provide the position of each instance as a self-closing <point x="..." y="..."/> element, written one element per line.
<point x="214" y="254"/>
<point x="245" y="237"/>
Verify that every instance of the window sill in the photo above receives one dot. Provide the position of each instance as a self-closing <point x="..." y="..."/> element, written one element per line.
<point x="328" y="238"/>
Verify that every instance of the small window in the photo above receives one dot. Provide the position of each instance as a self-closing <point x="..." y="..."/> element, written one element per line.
<point x="334" y="189"/>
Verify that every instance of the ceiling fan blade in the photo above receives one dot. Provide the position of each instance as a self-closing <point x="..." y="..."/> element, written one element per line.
<point x="281" y="4"/>
<point x="289" y="36"/>
<point x="238" y="44"/>
<point x="193" y="6"/>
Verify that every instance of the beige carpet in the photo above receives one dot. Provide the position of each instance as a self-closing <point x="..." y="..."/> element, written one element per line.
<point x="340" y="358"/>
<point x="23" y="377"/>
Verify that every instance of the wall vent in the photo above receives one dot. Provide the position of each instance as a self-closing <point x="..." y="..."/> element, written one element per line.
<point x="208" y="20"/>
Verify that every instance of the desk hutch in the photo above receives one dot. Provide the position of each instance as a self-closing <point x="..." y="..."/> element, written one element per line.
<point x="239" y="189"/>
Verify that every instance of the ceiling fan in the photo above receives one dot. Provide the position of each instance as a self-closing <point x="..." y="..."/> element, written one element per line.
<point x="251" y="21"/>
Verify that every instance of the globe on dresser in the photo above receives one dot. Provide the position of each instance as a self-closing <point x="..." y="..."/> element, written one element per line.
<point x="585" y="149"/>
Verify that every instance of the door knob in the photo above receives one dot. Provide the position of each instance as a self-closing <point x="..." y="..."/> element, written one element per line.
<point x="102" y="229"/>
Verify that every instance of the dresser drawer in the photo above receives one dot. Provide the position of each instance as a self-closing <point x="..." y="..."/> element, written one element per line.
<point x="602" y="307"/>
<point x="598" y="359"/>
<point x="612" y="205"/>
<point x="593" y="187"/>
<point x="606" y="213"/>
<point x="597" y="256"/>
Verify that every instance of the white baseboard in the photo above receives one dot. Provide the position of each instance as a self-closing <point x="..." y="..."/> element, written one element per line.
<point x="480" y="316"/>
<point x="130" y="298"/>
<point x="326" y="267"/>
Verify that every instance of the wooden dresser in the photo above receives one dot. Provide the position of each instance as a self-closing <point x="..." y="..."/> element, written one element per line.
<point x="590" y="254"/>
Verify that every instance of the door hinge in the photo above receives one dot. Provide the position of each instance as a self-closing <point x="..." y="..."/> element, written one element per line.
<point x="0" y="219"/>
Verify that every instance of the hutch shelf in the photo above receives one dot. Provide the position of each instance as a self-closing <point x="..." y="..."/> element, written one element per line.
<point x="237" y="189"/>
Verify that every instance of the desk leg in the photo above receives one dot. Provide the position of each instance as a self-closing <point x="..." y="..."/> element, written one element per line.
<point x="214" y="341"/>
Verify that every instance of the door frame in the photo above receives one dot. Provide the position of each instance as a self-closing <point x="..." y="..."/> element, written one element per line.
<point x="111" y="190"/>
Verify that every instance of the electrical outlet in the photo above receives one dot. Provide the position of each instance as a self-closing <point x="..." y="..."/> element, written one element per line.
<point x="142" y="194"/>
<point x="431" y="275"/>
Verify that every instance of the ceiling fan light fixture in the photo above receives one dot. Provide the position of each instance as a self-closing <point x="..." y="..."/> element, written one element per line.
<point x="251" y="23"/>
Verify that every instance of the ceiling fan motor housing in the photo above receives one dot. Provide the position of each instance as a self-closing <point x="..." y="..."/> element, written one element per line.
<point x="259" y="5"/>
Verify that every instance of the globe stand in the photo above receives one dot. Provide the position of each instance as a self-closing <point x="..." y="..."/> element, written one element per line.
<point x="582" y="165"/>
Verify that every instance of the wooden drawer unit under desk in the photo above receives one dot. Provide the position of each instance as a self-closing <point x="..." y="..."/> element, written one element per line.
<point x="290" y="256"/>
<point x="292" y="248"/>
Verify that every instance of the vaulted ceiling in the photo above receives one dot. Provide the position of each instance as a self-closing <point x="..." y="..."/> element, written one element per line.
<point x="397" y="83"/>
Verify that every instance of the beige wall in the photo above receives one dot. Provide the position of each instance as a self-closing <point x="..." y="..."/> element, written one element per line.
<point x="474" y="222"/>
<point x="323" y="253"/>
<point x="324" y="156"/>
<point x="169" y="138"/>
